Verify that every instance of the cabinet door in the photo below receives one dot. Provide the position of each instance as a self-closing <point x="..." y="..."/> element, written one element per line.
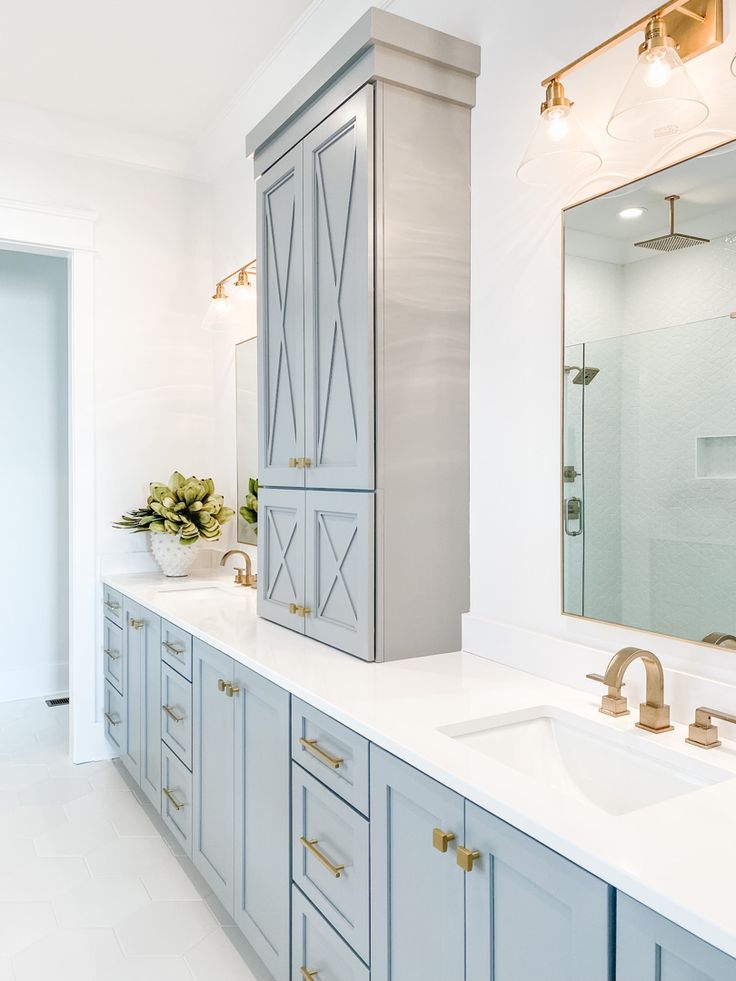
<point x="417" y="891"/>
<point x="149" y="639"/>
<point x="132" y="687"/>
<point x="652" y="948"/>
<point x="262" y="818"/>
<point x="281" y="556"/>
<point x="338" y="300"/>
<point x="340" y="593"/>
<point x="281" y="321"/>
<point x="530" y="912"/>
<point x="213" y="770"/>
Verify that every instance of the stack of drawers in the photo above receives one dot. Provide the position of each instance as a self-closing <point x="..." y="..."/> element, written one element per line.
<point x="114" y="669"/>
<point x="176" y="733"/>
<point x="330" y="849"/>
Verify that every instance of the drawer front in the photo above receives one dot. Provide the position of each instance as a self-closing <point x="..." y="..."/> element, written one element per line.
<point x="115" y="719"/>
<point x="318" y="950"/>
<point x="176" y="648"/>
<point x="176" y="798"/>
<point x="113" y="655"/>
<point x="112" y="605"/>
<point x="176" y="714"/>
<point x="330" y="862"/>
<point x="331" y="752"/>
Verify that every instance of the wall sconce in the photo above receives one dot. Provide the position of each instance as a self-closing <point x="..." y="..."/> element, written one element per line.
<point x="236" y="308"/>
<point x="659" y="99"/>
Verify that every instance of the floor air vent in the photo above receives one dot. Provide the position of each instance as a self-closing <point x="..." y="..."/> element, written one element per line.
<point x="53" y="702"/>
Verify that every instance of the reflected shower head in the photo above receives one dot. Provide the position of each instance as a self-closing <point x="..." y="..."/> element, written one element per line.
<point x="673" y="240"/>
<point x="584" y="376"/>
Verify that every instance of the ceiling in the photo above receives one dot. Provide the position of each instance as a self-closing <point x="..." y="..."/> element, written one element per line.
<point x="707" y="207"/>
<point x="164" y="67"/>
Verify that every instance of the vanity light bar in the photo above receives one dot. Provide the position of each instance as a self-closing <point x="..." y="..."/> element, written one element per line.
<point x="242" y="272"/>
<point x="697" y="25"/>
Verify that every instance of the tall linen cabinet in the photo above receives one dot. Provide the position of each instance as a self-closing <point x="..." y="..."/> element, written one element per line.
<point x="363" y="200"/>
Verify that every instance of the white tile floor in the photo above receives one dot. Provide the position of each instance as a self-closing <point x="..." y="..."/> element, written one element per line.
<point x="90" y="890"/>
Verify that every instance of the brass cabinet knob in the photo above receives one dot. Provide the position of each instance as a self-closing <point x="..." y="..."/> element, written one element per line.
<point x="300" y="611"/>
<point x="441" y="839"/>
<point x="221" y="684"/>
<point x="231" y="690"/>
<point x="308" y="975"/>
<point x="137" y="624"/>
<point x="466" y="857"/>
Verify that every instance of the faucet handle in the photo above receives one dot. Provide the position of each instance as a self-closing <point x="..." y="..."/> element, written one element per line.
<point x="613" y="703"/>
<point x="702" y="732"/>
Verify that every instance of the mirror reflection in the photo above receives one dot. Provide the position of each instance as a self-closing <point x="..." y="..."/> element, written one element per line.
<point x="649" y="416"/>
<point x="246" y="367"/>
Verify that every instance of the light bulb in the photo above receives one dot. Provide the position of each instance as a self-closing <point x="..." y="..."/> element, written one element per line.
<point x="657" y="69"/>
<point x="218" y="312"/>
<point x="558" y="125"/>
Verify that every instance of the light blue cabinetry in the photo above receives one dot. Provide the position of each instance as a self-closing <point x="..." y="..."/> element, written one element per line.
<point x="651" y="948"/>
<point x="213" y="769"/>
<point x="529" y="912"/>
<point x="262" y="817"/>
<point x="418" y="901"/>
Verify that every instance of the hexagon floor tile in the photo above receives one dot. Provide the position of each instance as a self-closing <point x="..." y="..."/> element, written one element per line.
<point x="90" y="888"/>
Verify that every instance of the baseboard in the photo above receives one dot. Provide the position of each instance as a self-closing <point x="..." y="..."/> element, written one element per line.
<point x="40" y="681"/>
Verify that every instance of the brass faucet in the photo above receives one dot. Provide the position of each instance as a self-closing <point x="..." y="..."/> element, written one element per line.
<point x="654" y="715"/>
<point x="720" y="640"/>
<point x="243" y="576"/>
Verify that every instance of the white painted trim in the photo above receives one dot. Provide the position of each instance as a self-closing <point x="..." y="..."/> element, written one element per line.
<point x="59" y="230"/>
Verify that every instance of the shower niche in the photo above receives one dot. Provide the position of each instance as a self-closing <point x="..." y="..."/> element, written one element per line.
<point x="648" y="469"/>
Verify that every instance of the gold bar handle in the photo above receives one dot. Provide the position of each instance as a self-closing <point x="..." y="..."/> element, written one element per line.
<point x="466" y="857"/>
<point x="441" y="839"/>
<point x="171" y="714"/>
<point x="312" y="747"/>
<point x="172" y="648"/>
<point x="308" y="975"/>
<point x="112" y="606"/>
<point x="111" y="654"/>
<point x="137" y="624"/>
<point x="175" y="803"/>
<point x="113" y="722"/>
<point x="311" y="845"/>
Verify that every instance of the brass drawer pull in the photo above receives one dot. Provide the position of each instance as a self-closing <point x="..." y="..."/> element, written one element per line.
<point x="308" y="975"/>
<point x="137" y="624"/>
<point x="113" y="722"/>
<point x="441" y="839"/>
<point x="173" y="799"/>
<point x="112" y="606"/>
<point x="466" y="857"/>
<point x="172" y="715"/>
<point x="111" y="654"/>
<point x="172" y="648"/>
<point x="311" y="747"/>
<point x="311" y="845"/>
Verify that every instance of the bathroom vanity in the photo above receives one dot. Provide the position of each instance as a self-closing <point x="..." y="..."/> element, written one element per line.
<point x="439" y="818"/>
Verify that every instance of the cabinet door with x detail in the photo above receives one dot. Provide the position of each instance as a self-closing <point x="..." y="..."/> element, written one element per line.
<point x="281" y="557"/>
<point x="339" y="530"/>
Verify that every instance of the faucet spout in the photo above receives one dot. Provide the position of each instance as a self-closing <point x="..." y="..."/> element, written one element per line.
<point x="244" y="577"/>
<point x="654" y="715"/>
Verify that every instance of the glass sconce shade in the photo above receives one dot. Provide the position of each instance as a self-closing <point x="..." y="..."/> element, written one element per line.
<point x="218" y="314"/>
<point x="659" y="100"/>
<point x="558" y="150"/>
<point x="243" y="306"/>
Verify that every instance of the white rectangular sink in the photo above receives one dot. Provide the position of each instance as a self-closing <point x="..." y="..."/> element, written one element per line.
<point x="616" y="772"/>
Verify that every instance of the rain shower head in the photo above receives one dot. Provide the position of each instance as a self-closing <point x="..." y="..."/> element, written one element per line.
<point x="584" y="376"/>
<point x="674" y="240"/>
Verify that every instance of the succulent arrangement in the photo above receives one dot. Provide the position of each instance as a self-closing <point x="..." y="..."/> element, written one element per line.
<point x="249" y="511"/>
<point x="186" y="507"/>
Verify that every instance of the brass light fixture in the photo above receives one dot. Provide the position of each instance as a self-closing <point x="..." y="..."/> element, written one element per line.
<point x="659" y="100"/>
<point x="227" y="310"/>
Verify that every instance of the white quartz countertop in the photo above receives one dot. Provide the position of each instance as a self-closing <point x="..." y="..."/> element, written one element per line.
<point x="677" y="857"/>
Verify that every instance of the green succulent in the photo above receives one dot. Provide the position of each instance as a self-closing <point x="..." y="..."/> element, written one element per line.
<point x="186" y="507"/>
<point x="249" y="511"/>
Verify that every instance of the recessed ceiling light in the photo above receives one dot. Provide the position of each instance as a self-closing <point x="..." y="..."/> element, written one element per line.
<point x="631" y="212"/>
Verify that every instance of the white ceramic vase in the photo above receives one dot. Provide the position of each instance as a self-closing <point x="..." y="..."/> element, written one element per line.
<point x="174" y="558"/>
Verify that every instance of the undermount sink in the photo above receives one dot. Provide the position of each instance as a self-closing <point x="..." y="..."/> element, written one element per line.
<point x="617" y="772"/>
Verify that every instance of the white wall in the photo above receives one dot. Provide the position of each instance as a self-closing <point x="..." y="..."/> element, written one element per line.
<point x="33" y="429"/>
<point x="515" y="577"/>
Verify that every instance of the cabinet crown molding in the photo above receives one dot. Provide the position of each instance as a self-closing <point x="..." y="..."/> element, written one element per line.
<point x="380" y="46"/>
